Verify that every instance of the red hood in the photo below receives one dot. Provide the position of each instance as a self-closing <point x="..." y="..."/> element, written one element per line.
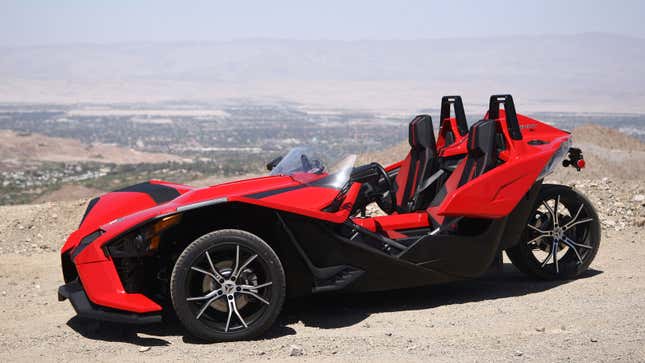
<point x="120" y="210"/>
<point x="139" y="197"/>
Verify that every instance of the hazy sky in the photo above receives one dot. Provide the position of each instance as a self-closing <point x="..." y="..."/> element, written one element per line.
<point x="31" y="22"/>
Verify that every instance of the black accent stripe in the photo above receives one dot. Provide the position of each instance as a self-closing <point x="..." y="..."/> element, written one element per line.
<point x="90" y="205"/>
<point x="326" y="181"/>
<point x="159" y="193"/>
<point x="269" y="193"/>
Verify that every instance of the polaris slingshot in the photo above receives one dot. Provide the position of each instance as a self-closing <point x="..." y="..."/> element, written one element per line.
<point x="224" y="258"/>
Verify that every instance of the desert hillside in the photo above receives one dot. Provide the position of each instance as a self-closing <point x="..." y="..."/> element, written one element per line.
<point x="501" y="317"/>
<point x="25" y="147"/>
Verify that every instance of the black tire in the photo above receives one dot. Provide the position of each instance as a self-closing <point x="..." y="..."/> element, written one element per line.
<point x="219" y="248"/>
<point x="570" y="265"/>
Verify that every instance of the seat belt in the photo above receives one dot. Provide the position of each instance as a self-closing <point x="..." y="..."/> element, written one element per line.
<point x="427" y="183"/>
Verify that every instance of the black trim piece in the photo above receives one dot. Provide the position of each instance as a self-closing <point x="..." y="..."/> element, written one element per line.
<point x="269" y="193"/>
<point x="460" y="113"/>
<point x="158" y="192"/>
<point x="518" y="218"/>
<point x="86" y="241"/>
<point x="86" y="309"/>
<point x="206" y="203"/>
<point x="90" y="205"/>
<point x="511" y="116"/>
<point x="329" y="278"/>
<point x="325" y="182"/>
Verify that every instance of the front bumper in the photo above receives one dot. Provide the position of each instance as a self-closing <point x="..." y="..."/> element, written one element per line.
<point x="84" y="308"/>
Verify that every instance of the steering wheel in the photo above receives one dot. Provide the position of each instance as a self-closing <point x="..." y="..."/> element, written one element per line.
<point x="306" y="164"/>
<point x="387" y="202"/>
<point x="312" y="166"/>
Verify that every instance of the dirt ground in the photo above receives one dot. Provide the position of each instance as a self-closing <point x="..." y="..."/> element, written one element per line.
<point x="503" y="316"/>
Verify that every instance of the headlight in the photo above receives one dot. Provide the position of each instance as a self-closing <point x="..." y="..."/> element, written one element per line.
<point x="555" y="159"/>
<point x="142" y="241"/>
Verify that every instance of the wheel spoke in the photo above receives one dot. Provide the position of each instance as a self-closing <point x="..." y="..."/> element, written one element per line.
<point x="230" y="313"/>
<point x="575" y="217"/>
<point x="219" y="278"/>
<point x="569" y="226"/>
<point x="546" y="205"/>
<point x="232" y="305"/>
<point x="205" y="297"/>
<point x="255" y="287"/>
<point x="205" y="273"/>
<point x="536" y="238"/>
<point x="238" y="272"/>
<point x="537" y="229"/>
<point x="576" y="243"/>
<point x="555" y="255"/>
<point x="208" y="303"/>
<point x="555" y="213"/>
<point x="237" y="261"/>
<point x="547" y="258"/>
<point x="249" y="292"/>
<point x="575" y="250"/>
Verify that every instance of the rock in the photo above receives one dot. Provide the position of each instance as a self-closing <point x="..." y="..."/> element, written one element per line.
<point x="388" y="334"/>
<point x="540" y="329"/>
<point x="144" y="349"/>
<point x="296" y="351"/>
<point x="640" y="222"/>
<point x="518" y="353"/>
<point x="594" y="340"/>
<point x="638" y="198"/>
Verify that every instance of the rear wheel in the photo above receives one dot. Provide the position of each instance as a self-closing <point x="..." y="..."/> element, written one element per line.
<point x="561" y="238"/>
<point x="227" y="285"/>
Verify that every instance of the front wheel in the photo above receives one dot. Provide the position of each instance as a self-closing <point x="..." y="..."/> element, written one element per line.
<point x="561" y="238"/>
<point x="227" y="285"/>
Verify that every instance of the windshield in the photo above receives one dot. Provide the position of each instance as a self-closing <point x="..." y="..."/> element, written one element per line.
<point x="307" y="166"/>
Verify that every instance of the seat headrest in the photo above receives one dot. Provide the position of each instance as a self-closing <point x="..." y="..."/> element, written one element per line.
<point x="481" y="138"/>
<point x="421" y="133"/>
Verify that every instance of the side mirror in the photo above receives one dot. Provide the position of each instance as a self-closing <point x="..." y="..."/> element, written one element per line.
<point x="273" y="163"/>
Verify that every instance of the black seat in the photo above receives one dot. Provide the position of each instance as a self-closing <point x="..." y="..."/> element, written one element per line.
<point x="481" y="157"/>
<point x="482" y="152"/>
<point x="418" y="166"/>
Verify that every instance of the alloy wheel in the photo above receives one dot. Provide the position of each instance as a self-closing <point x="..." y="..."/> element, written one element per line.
<point x="558" y="233"/>
<point x="229" y="288"/>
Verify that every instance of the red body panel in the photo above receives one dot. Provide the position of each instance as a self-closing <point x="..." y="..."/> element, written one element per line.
<point x="458" y="147"/>
<point x="110" y="292"/>
<point x="495" y="194"/>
